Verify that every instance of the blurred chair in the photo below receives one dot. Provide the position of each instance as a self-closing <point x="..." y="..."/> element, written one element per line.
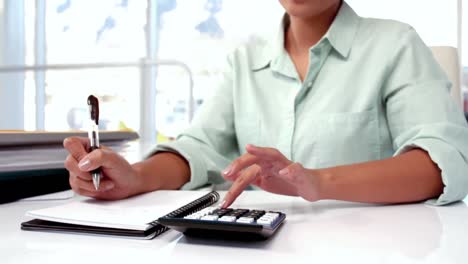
<point x="447" y="57"/>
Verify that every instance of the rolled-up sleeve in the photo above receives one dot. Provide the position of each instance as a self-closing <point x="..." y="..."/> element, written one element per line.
<point x="422" y="114"/>
<point x="210" y="143"/>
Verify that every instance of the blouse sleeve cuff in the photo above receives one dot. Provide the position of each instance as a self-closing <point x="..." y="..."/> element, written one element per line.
<point x="451" y="163"/>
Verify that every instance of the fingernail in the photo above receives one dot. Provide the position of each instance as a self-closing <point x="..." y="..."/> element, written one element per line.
<point x="222" y="204"/>
<point x="227" y="170"/>
<point x="283" y="172"/>
<point x="250" y="146"/>
<point x="109" y="186"/>
<point x="84" y="164"/>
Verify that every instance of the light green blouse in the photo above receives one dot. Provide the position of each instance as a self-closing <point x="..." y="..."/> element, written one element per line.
<point x="373" y="90"/>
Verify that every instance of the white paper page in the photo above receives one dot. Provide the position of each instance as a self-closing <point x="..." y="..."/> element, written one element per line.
<point x="132" y="213"/>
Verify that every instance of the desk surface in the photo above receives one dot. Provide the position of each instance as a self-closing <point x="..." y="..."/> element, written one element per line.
<point x="322" y="232"/>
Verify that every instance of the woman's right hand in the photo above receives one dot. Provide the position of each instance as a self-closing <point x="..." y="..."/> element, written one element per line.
<point x="120" y="179"/>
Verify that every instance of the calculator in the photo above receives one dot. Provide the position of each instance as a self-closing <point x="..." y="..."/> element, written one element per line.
<point x="227" y="223"/>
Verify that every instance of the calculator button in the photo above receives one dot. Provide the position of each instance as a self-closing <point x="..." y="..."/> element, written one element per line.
<point x="222" y="211"/>
<point x="246" y="220"/>
<point x="227" y="218"/>
<point x="268" y="218"/>
<point x="194" y="216"/>
<point x="255" y="214"/>
<point x="209" y="217"/>
<point x="264" y="221"/>
<point x="237" y="212"/>
<point x="258" y="212"/>
<point x="270" y="214"/>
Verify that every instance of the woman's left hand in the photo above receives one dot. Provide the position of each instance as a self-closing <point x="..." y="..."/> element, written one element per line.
<point x="270" y="170"/>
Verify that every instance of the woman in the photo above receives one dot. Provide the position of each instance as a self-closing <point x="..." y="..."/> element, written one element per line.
<point x="337" y="107"/>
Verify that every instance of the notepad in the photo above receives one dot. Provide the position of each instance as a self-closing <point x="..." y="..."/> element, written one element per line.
<point x="132" y="217"/>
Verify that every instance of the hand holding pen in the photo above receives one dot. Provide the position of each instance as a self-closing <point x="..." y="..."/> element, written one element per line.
<point x="93" y="135"/>
<point x="97" y="171"/>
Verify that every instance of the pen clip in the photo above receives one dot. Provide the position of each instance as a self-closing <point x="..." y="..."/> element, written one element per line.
<point x="93" y="103"/>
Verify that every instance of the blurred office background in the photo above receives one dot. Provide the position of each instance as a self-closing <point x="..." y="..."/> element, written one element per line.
<point x="54" y="53"/>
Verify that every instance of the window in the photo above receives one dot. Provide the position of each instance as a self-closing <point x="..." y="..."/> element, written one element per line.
<point x="81" y="32"/>
<point x="197" y="33"/>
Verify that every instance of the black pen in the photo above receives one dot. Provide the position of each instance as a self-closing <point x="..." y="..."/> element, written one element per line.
<point x="93" y="135"/>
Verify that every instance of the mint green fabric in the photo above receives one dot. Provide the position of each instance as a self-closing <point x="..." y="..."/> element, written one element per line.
<point x="373" y="90"/>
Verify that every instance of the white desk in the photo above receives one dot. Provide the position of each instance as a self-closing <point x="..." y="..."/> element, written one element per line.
<point x="322" y="232"/>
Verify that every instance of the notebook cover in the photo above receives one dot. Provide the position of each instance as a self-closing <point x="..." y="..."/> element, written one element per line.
<point x="42" y="225"/>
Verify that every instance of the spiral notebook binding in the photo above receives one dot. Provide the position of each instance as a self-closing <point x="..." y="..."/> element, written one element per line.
<point x="192" y="207"/>
<point x="161" y="230"/>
